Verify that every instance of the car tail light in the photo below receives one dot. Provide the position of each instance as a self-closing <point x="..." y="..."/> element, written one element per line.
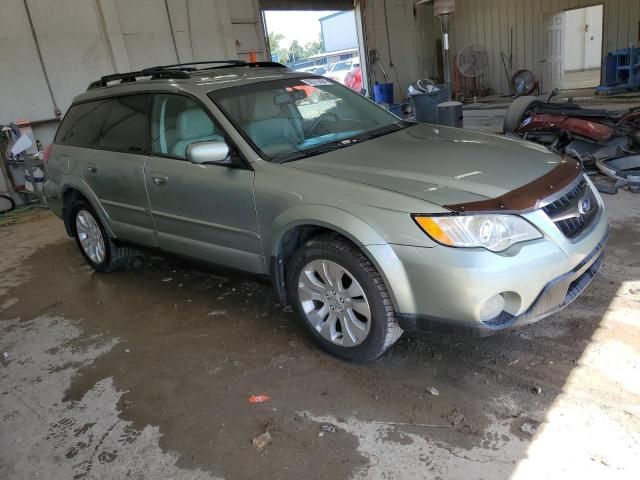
<point x="47" y="153"/>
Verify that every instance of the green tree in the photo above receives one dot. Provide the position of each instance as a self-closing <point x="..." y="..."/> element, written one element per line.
<point x="316" y="46"/>
<point x="274" y="41"/>
<point x="296" y="52"/>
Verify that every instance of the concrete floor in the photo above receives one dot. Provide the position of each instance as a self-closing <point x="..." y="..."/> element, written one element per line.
<point x="585" y="79"/>
<point x="146" y="374"/>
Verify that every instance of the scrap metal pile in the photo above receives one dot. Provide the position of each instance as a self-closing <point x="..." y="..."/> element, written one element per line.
<point x="604" y="141"/>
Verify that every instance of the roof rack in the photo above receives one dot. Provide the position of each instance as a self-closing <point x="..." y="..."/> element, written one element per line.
<point x="177" y="70"/>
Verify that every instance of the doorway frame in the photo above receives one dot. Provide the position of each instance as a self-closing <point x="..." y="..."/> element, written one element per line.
<point x="602" y="40"/>
<point x="360" y="32"/>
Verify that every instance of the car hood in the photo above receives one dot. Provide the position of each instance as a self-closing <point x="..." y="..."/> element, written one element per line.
<point x="441" y="165"/>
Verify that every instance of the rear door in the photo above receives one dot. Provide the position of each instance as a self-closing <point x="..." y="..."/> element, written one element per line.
<point x="79" y="130"/>
<point x="114" y="169"/>
<point x="202" y="211"/>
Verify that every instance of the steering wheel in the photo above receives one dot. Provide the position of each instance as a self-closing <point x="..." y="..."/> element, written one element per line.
<point x="321" y="119"/>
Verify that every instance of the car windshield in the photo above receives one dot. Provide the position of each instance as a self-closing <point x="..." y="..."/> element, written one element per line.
<point x="294" y="118"/>
<point x="341" y="66"/>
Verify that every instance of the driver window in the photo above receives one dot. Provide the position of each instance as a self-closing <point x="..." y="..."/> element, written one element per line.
<point x="178" y="121"/>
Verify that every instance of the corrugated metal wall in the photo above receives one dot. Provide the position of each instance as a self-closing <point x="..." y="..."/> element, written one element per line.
<point x="81" y="40"/>
<point x="487" y="23"/>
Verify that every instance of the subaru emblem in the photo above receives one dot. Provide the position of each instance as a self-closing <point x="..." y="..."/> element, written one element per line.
<point x="584" y="205"/>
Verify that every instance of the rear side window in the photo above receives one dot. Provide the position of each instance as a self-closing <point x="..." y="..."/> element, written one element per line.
<point x="82" y="123"/>
<point x="125" y="127"/>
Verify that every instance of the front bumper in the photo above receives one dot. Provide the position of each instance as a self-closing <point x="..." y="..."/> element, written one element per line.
<point x="443" y="288"/>
<point x="556" y="295"/>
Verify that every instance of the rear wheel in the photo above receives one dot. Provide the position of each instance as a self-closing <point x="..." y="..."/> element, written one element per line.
<point x="517" y="112"/>
<point x="6" y="204"/>
<point x="341" y="299"/>
<point x="95" y="245"/>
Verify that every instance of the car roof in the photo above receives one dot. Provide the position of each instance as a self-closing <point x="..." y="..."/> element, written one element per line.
<point x="198" y="82"/>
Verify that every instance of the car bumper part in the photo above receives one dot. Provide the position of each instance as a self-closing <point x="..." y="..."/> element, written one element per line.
<point x="451" y="289"/>
<point x="556" y="295"/>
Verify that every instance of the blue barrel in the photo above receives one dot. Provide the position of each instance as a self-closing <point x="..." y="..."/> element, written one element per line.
<point x="383" y="93"/>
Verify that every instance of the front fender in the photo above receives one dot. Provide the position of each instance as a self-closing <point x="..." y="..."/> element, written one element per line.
<point x="372" y="244"/>
<point x="333" y="218"/>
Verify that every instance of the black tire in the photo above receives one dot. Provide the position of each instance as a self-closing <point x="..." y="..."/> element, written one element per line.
<point x="6" y="204"/>
<point x="517" y="112"/>
<point x="384" y="330"/>
<point x="115" y="257"/>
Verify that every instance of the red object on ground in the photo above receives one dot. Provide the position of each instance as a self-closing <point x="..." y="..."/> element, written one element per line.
<point x="579" y="126"/>
<point x="252" y="57"/>
<point x="259" y="398"/>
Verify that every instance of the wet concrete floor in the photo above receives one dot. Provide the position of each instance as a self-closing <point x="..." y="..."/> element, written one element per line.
<point x="146" y="373"/>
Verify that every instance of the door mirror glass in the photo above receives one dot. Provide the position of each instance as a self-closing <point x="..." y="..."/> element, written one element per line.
<point x="209" y="152"/>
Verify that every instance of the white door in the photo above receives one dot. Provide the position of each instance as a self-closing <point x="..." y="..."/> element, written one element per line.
<point x="553" y="64"/>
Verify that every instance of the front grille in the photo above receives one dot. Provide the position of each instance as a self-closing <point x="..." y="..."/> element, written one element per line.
<point x="569" y="212"/>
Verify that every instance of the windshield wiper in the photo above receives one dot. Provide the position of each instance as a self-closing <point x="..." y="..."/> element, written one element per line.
<point x="378" y="133"/>
<point x="311" y="151"/>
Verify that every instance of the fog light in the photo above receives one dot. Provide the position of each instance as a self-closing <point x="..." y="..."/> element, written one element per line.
<point x="492" y="308"/>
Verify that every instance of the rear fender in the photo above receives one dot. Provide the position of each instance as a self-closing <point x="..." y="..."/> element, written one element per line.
<point x="84" y="189"/>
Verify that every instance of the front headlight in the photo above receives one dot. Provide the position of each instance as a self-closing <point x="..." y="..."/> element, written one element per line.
<point x="493" y="232"/>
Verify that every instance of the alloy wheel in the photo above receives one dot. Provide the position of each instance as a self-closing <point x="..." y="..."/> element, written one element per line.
<point x="90" y="236"/>
<point x="334" y="303"/>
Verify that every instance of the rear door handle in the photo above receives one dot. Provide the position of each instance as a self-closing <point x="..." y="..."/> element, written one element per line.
<point x="160" y="179"/>
<point x="92" y="169"/>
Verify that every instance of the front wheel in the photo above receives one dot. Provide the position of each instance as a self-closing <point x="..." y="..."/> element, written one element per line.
<point x="341" y="299"/>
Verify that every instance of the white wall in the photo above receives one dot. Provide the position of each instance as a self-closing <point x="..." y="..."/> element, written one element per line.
<point x="81" y="40"/>
<point x="574" y="39"/>
<point x="593" y="38"/>
<point x="583" y="38"/>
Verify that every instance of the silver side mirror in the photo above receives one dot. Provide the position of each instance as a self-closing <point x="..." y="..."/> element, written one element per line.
<point x="208" y="152"/>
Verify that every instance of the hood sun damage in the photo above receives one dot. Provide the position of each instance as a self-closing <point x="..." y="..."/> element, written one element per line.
<point x="438" y="164"/>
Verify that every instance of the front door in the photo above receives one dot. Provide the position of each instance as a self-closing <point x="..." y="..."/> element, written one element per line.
<point x="553" y="63"/>
<point x="200" y="211"/>
<point x="115" y="168"/>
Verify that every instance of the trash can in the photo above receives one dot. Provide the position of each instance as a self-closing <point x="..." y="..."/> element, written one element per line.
<point x="449" y="114"/>
<point x="424" y="104"/>
<point x="383" y="93"/>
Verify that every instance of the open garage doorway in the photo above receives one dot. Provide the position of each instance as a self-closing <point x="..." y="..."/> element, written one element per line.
<point x="322" y="42"/>
<point x="573" y="48"/>
<point x="583" y="39"/>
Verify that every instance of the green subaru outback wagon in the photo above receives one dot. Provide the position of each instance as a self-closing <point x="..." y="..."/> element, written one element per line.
<point x="366" y="224"/>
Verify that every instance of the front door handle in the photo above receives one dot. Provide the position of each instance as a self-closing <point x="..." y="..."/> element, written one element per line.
<point x="92" y="169"/>
<point x="160" y="179"/>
